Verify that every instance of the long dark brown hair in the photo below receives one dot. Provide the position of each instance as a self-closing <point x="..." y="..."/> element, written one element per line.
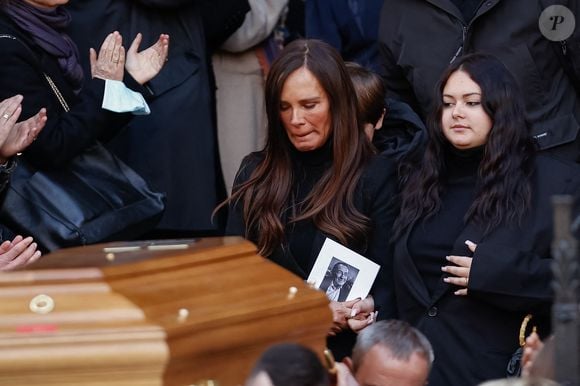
<point x="503" y="192"/>
<point x="330" y="204"/>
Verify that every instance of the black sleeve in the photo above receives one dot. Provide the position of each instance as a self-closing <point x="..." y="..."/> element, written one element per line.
<point x="510" y="278"/>
<point x="380" y="192"/>
<point x="221" y="18"/>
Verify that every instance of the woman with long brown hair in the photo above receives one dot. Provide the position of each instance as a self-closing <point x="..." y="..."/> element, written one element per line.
<point x="317" y="176"/>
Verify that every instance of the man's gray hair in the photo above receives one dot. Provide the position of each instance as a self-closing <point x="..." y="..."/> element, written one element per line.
<point x="399" y="337"/>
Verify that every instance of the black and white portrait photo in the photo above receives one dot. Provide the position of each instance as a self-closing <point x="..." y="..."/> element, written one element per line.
<point x="341" y="273"/>
<point x="338" y="280"/>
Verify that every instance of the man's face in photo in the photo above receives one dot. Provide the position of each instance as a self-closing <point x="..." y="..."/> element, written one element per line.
<point x="340" y="275"/>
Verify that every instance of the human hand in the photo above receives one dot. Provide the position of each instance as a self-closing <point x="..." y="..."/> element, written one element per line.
<point x="18" y="253"/>
<point x="344" y="375"/>
<point x="145" y="65"/>
<point x="22" y="135"/>
<point x="340" y="312"/>
<point x="531" y="349"/>
<point x="110" y="63"/>
<point x="460" y="270"/>
<point x="10" y="110"/>
<point x="362" y="314"/>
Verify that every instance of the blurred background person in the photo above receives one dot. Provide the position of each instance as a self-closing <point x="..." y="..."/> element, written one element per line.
<point x="288" y="364"/>
<point x="350" y="26"/>
<point x="240" y="67"/>
<point x="370" y="94"/>
<point x="388" y="353"/>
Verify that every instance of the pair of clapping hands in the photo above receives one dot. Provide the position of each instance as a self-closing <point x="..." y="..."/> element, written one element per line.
<point x="112" y="60"/>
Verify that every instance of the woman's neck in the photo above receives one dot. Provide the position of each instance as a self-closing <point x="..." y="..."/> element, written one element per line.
<point x="316" y="157"/>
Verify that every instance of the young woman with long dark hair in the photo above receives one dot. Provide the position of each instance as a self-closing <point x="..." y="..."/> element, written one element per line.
<point x="472" y="240"/>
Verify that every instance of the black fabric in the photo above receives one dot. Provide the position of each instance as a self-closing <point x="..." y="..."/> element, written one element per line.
<point x="5" y="171"/>
<point x="308" y="168"/>
<point x="467" y="8"/>
<point x="514" y="366"/>
<point x="432" y="239"/>
<point x="350" y="26"/>
<point x="96" y="198"/>
<point x="221" y="18"/>
<point x="475" y="336"/>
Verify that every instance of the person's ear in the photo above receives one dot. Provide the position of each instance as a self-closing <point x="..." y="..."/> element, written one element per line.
<point x="379" y="123"/>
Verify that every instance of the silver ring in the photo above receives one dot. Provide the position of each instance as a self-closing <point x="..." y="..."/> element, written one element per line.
<point x="5" y="116"/>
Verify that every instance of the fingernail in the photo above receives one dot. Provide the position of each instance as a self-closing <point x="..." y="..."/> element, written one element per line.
<point x="444" y="269"/>
<point x="446" y="279"/>
<point x="448" y="258"/>
<point x="469" y="242"/>
<point x="353" y="312"/>
<point x="456" y="292"/>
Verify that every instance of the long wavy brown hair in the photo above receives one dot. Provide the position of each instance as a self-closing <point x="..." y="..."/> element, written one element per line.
<point x="503" y="194"/>
<point x="330" y="205"/>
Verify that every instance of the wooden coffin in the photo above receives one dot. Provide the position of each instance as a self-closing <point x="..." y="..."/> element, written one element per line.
<point x="179" y="312"/>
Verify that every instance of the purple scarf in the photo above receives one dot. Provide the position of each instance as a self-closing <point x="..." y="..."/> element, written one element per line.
<point x="46" y="28"/>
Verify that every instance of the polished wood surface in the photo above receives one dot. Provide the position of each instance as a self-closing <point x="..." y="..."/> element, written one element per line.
<point x="152" y="313"/>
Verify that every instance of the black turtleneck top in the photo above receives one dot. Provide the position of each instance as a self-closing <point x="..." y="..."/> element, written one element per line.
<point x="308" y="168"/>
<point x="431" y="240"/>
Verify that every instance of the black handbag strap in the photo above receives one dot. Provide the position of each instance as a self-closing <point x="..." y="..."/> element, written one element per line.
<point x="49" y="80"/>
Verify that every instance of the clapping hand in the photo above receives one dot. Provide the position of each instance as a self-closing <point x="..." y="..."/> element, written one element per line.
<point x="18" y="253"/>
<point x="145" y="65"/>
<point x="15" y="137"/>
<point x="110" y="63"/>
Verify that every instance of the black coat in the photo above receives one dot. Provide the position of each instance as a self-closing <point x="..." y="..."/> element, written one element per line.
<point x="22" y="64"/>
<point x="174" y="148"/>
<point x="349" y="26"/>
<point x="419" y="38"/>
<point x="375" y="198"/>
<point x="474" y="336"/>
